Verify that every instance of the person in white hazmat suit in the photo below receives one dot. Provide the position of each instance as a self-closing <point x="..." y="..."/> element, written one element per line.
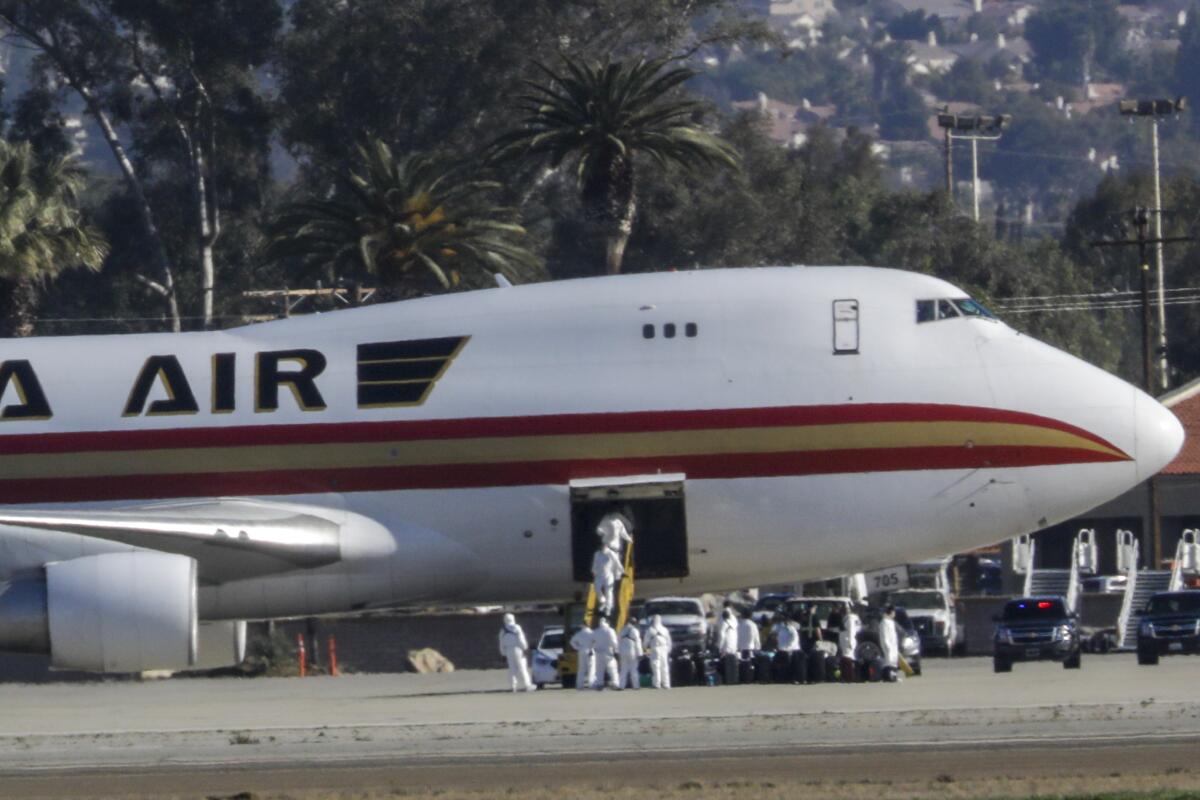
<point x="614" y="533"/>
<point x="629" y="654"/>
<point x="889" y="640"/>
<point x="583" y="643"/>
<point x="658" y="644"/>
<point x="604" y="644"/>
<point x="748" y="641"/>
<point x="727" y="634"/>
<point x="848" y="636"/>
<point x="513" y="647"/>
<point x="606" y="571"/>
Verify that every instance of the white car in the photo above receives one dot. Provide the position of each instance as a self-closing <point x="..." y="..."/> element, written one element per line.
<point x="683" y="617"/>
<point x="544" y="662"/>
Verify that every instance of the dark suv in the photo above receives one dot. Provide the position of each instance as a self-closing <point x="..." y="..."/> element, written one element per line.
<point x="1036" y="629"/>
<point x="1169" y="625"/>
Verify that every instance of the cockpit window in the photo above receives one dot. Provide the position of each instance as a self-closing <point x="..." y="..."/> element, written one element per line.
<point x="970" y="308"/>
<point x="949" y="308"/>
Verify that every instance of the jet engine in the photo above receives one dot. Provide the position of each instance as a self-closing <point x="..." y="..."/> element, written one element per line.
<point x="115" y="612"/>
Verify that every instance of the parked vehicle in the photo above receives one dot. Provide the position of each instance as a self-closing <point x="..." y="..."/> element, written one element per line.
<point x="683" y="617"/>
<point x="544" y="661"/>
<point x="1104" y="584"/>
<point x="934" y="618"/>
<point x="1036" y="629"/>
<point x="767" y="605"/>
<point x="1169" y="625"/>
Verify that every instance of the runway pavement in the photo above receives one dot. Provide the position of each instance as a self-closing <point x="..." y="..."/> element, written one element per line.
<point x="463" y="724"/>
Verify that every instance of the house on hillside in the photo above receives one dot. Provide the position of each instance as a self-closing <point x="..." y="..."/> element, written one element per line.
<point x="787" y="124"/>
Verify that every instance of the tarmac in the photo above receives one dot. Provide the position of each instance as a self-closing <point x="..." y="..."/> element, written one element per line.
<point x="465" y="728"/>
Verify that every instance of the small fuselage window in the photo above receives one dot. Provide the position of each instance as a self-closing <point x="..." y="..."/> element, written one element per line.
<point x="949" y="308"/>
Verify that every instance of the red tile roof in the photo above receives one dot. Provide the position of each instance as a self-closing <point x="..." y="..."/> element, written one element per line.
<point x="1185" y="402"/>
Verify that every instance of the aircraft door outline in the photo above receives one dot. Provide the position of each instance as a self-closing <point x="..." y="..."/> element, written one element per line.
<point x="845" y="327"/>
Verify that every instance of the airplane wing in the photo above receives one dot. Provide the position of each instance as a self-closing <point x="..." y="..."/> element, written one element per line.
<point x="231" y="539"/>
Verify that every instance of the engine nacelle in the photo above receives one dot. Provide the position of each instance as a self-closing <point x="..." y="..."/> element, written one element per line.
<point x="114" y="612"/>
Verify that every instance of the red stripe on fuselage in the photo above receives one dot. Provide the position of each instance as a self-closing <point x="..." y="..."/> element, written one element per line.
<point x="466" y="476"/>
<point x="544" y="425"/>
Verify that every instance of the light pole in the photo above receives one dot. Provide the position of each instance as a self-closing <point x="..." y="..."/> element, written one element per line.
<point x="1155" y="109"/>
<point x="973" y="128"/>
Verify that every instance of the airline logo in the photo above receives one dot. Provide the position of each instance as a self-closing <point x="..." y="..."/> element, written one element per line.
<point x="390" y="374"/>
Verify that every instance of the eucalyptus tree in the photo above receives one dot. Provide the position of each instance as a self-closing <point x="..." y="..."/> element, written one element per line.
<point x="417" y="224"/>
<point x="41" y="231"/>
<point x="608" y="119"/>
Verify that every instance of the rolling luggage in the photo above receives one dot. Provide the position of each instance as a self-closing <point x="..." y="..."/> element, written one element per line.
<point x="831" y="668"/>
<point x="874" y="670"/>
<point x="683" y="671"/>
<point x="781" y="667"/>
<point x="849" y="669"/>
<point x="746" y="670"/>
<point x="799" y="667"/>
<point x="816" y="667"/>
<point x="706" y="671"/>
<point x="729" y="670"/>
<point x="763" y="666"/>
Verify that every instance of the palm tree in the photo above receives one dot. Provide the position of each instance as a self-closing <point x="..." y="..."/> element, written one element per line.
<point x="415" y="223"/>
<point x="41" y="231"/>
<point x="608" y="117"/>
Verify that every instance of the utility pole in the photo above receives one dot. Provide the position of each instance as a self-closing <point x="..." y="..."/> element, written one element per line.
<point x="1155" y="109"/>
<point x="974" y="128"/>
<point x="1141" y="224"/>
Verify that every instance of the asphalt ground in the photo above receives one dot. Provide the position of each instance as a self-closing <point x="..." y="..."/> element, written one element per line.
<point x="461" y="731"/>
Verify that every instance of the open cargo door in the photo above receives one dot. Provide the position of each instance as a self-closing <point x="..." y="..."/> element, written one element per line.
<point x="654" y="504"/>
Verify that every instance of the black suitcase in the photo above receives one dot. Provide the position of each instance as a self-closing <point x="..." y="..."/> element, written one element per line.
<point x="816" y="667"/>
<point x="704" y="670"/>
<point x="832" y="668"/>
<point x="746" y="670"/>
<point x="781" y="667"/>
<point x="799" y="667"/>
<point x="762" y="666"/>
<point x="683" y="671"/>
<point x="875" y="670"/>
<point x="729" y="669"/>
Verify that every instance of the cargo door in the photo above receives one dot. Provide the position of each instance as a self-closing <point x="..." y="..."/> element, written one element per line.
<point x="655" y="507"/>
<point x="845" y="327"/>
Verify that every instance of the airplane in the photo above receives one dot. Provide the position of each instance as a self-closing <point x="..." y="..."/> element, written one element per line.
<point x="759" y="425"/>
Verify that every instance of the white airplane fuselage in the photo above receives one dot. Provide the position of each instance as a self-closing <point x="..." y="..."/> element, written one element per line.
<point x="454" y="426"/>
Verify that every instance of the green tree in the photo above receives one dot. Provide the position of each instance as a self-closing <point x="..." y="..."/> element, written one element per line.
<point x="415" y="223"/>
<point x="607" y="118"/>
<point x="1069" y="37"/>
<point x="41" y="231"/>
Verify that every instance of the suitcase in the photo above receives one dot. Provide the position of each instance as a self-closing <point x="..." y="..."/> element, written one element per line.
<point x="832" y="668"/>
<point x="762" y="666"/>
<point x="799" y="667"/>
<point x="683" y="671"/>
<point x="816" y="667"/>
<point x="729" y="670"/>
<point x="781" y="667"/>
<point x="746" y="670"/>
<point x="705" y="670"/>
<point x="849" y="669"/>
<point x="875" y="670"/>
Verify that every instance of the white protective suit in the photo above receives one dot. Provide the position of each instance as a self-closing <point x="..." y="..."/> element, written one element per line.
<point x="727" y="634"/>
<point x="582" y="643"/>
<point x="848" y="636"/>
<point x="889" y="641"/>
<point x="630" y="653"/>
<point x="604" y="643"/>
<point x="513" y="647"/>
<point x="747" y="636"/>
<point x="787" y="636"/>
<point x="614" y="532"/>
<point x="658" y="644"/>
<point x="606" y="571"/>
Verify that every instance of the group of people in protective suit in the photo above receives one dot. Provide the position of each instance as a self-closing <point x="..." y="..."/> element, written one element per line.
<point x="609" y="659"/>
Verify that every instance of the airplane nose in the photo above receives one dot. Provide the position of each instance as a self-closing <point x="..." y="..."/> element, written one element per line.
<point x="1159" y="436"/>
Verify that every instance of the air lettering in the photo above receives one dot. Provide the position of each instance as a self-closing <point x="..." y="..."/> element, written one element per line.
<point x="33" y="404"/>
<point x="165" y="371"/>
<point x="270" y="374"/>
